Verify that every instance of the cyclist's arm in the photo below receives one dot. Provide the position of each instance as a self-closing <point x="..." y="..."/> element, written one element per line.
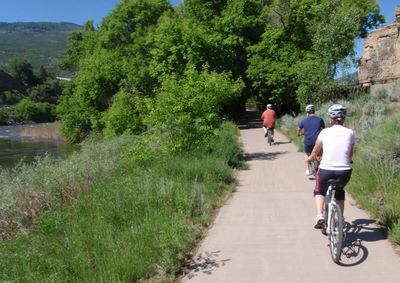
<point x="299" y="131"/>
<point x="351" y="152"/>
<point x="316" y="150"/>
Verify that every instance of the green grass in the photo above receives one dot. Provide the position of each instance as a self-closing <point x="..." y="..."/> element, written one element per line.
<point x="137" y="225"/>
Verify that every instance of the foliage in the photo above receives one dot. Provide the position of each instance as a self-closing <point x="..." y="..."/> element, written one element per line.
<point x="285" y="52"/>
<point x="22" y="69"/>
<point x="49" y="91"/>
<point x="124" y="115"/>
<point x="302" y="46"/>
<point x="93" y="88"/>
<point x="26" y="109"/>
<point x="186" y="110"/>
<point x="81" y="43"/>
<point x="11" y="97"/>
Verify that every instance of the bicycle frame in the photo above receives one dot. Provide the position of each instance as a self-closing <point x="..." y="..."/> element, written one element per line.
<point x="269" y="136"/>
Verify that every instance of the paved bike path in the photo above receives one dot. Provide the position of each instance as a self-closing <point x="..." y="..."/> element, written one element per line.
<point x="264" y="233"/>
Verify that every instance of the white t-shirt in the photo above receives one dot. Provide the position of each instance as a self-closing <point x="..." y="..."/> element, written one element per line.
<point x="336" y="144"/>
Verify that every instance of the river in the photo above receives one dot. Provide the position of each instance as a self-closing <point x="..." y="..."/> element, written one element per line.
<point x="23" y="143"/>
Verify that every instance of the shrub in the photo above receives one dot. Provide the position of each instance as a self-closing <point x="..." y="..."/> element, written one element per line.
<point x="26" y="109"/>
<point x="186" y="110"/>
<point x="125" y="115"/>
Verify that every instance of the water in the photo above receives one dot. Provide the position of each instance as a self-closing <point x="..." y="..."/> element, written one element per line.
<point x="23" y="143"/>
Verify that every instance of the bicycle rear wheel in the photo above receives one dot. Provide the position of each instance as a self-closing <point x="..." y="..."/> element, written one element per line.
<point x="269" y="137"/>
<point x="335" y="232"/>
<point x="314" y="167"/>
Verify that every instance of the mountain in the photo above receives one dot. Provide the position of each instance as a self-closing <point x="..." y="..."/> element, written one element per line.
<point x="41" y="43"/>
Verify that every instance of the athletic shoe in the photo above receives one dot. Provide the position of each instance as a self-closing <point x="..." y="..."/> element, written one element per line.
<point x="308" y="173"/>
<point x="319" y="221"/>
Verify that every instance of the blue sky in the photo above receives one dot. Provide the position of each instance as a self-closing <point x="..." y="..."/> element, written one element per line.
<point x="73" y="11"/>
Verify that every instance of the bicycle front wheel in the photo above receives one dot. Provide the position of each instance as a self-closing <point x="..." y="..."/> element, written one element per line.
<point x="335" y="232"/>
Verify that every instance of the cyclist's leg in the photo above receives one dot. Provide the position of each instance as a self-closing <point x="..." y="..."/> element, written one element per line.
<point x="265" y="131"/>
<point x="344" y="177"/>
<point x="321" y="186"/>
<point x="307" y="151"/>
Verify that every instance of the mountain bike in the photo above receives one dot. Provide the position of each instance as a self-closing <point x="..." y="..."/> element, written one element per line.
<point x="333" y="221"/>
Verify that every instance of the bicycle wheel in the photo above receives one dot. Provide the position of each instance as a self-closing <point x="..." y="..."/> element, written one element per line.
<point x="335" y="232"/>
<point x="327" y="200"/>
<point x="269" y="137"/>
<point x="314" y="167"/>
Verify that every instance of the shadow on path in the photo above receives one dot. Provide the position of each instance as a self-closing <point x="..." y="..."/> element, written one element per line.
<point x="206" y="263"/>
<point x="263" y="155"/>
<point x="354" y="252"/>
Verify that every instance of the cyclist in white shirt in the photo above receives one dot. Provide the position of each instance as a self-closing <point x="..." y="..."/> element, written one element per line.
<point x="337" y="143"/>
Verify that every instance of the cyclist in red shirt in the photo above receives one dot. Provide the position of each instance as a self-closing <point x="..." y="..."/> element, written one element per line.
<point x="269" y="119"/>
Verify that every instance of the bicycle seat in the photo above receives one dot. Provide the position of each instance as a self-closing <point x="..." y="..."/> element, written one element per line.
<point x="336" y="183"/>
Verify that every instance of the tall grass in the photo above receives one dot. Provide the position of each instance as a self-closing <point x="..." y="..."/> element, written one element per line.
<point x="137" y="225"/>
<point x="30" y="189"/>
<point x="376" y="182"/>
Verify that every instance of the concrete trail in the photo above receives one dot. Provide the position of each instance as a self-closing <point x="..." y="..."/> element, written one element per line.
<point x="264" y="233"/>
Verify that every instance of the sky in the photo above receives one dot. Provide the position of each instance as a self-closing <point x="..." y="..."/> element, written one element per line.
<point x="72" y="11"/>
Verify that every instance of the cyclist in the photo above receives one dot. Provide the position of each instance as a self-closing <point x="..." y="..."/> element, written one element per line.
<point x="312" y="126"/>
<point x="337" y="143"/>
<point x="269" y="119"/>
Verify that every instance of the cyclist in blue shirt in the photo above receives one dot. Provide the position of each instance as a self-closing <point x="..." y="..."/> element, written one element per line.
<point x="312" y="126"/>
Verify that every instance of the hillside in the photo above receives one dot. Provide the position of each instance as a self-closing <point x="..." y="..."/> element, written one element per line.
<point x="41" y="43"/>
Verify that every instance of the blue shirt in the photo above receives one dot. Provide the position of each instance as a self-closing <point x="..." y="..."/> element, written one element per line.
<point x="312" y="126"/>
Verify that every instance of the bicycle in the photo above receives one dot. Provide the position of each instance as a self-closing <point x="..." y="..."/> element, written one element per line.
<point x="334" y="220"/>
<point x="269" y="136"/>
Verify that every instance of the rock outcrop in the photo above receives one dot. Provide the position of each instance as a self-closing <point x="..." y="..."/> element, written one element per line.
<point x="8" y="82"/>
<point x="380" y="62"/>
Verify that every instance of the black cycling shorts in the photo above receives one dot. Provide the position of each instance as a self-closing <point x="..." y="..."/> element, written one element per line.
<point x="321" y="184"/>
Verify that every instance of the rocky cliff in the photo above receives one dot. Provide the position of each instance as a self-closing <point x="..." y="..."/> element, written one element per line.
<point x="8" y="82"/>
<point x="380" y="62"/>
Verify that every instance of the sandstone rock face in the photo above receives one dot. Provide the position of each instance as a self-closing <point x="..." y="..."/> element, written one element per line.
<point x="380" y="62"/>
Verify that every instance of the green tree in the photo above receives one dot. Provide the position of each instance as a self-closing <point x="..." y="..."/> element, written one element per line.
<point x="22" y="69"/>
<point x="80" y="45"/>
<point x="302" y="45"/>
<point x="49" y="91"/>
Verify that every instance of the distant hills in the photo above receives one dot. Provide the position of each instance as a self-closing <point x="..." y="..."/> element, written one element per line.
<point x="41" y="43"/>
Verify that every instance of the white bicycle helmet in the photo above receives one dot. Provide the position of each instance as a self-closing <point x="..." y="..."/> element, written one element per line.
<point x="310" y="109"/>
<point x="269" y="106"/>
<point x="337" y="112"/>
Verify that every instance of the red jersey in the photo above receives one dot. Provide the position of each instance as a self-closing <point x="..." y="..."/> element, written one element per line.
<point x="269" y="118"/>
